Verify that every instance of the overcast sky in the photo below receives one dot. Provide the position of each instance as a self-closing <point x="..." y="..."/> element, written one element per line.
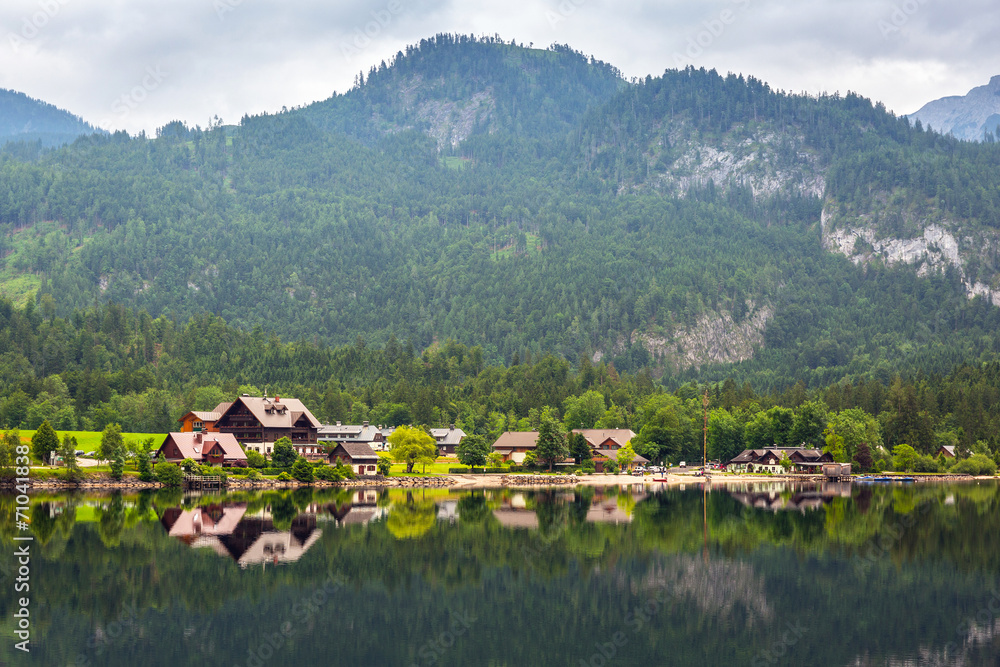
<point x="138" y="64"/>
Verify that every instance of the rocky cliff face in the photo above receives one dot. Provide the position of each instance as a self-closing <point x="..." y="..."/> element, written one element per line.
<point x="967" y="116"/>
<point x="767" y="161"/>
<point x="716" y="338"/>
<point x="933" y="247"/>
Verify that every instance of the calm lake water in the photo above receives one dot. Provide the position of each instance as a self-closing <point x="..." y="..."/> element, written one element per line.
<point x="762" y="575"/>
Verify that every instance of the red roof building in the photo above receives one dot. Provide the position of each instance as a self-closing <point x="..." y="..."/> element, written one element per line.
<point x="212" y="448"/>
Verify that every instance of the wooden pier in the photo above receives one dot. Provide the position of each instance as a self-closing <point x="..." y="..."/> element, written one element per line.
<point x="202" y="482"/>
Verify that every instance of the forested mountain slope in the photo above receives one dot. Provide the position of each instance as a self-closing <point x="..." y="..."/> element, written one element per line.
<point x="672" y="223"/>
<point x="25" y="119"/>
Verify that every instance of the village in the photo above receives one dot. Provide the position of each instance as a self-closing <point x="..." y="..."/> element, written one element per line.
<point x="224" y="437"/>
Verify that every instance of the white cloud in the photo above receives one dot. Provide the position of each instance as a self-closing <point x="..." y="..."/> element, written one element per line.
<point x="231" y="57"/>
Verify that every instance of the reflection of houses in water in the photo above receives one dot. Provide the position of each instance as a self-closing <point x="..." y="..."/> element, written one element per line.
<point x="514" y="513"/>
<point x="794" y="499"/>
<point x="248" y="540"/>
<point x="606" y="509"/>
<point x="513" y="517"/>
<point x="359" y="510"/>
<point x="447" y="510"/>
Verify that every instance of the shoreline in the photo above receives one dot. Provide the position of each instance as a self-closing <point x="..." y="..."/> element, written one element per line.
<point x="486" y="481"/>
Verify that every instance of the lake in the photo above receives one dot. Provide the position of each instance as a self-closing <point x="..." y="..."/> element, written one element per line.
<point x="765" y="574"/>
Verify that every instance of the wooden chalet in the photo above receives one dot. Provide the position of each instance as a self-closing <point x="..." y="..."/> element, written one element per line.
<point x="447" y="439"/>
<point x="514" y="445"/>
<point x="803" y="459"/>
<point x="947" y="451"/>
<point x="358" y="455"/>
<point x="611" y="439"/>
<point x="258" y="422"/>
<point x="212" y="448"/>
<point x="196" y="420"/>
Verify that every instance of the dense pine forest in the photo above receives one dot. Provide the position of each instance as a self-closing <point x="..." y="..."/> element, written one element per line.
<point x="478" y="230"/>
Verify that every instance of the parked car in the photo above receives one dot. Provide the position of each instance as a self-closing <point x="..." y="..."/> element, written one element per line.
<point x="79" y="452"/>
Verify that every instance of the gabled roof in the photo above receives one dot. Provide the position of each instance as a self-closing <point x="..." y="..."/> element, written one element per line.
<point x="598" y="436"/>
<point x="447" y="436"/>
<point x="202" y="416"/>
<point x="613" y="454"/>
<point x="276" y="413"/>
<point x="192" y="448"/>
<point x="517" y="440"/>
<point x="353" y="432"/>
<point x="358" y="451"/>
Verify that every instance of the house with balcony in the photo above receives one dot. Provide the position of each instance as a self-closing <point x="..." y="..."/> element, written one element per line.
<point x="258" y="421"/>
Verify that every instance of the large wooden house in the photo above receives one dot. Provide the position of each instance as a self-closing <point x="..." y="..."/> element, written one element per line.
<point x="803" y="459"/>
<point x="258" y="422"/>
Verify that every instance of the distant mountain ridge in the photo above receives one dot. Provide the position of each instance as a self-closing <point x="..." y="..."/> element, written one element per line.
<point x="968" y="116"/>
<point x="24" y="118"/>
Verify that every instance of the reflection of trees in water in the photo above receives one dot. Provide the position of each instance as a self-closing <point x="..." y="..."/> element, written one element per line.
<point x="411" y="518"/>
<point x="473" y="508"/>
<point x="716" y="587"/>
<point x="111" y="520"/>
<point x="552" y="512"/>
<point x="283" y="512"/>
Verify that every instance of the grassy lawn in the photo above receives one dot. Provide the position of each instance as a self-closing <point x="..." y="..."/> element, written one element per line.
<point x="89" y="441"/>
<point x="436" y="468"/>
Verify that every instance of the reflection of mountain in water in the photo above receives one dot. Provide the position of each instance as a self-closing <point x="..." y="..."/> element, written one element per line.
<point x="716" y="587"/>
<point x="248" y="540"/>
<point x="800" y="499"/>
<point x="973" y="645"/>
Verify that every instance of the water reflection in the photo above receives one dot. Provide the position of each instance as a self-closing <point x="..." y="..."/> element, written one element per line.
<point x="229" y="531"/>
<point x="904" y="575"/>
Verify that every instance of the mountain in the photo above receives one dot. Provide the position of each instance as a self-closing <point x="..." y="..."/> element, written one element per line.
<point x="529" y="201"/>
<point x="968" y="116"/>
<point x="453" y="86"/>
<point x="23" y="118"/>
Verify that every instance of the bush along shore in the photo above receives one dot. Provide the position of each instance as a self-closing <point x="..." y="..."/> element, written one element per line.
<point x="101" y="480"/>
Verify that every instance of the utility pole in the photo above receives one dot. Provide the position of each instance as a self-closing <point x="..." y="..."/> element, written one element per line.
<point x="704" y="451"/>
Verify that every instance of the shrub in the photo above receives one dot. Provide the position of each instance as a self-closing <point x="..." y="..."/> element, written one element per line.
<point x="168" y="474"/>
<point x="284" y="477"/>
<point x="328" y="474"/>
<point x="977" y="464"/>
<point x="255" y="459"/>
<point x="254" y="475"/>
<point x="303" y="472"/>
<point x="241" y="464"/>
<point x="384" y="464"/>
<point x="925" y="463"/>
<point x="588" y="467"/>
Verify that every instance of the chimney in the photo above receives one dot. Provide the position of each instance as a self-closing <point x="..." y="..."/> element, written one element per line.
<point x="364" y="423"/>
<point x="451" y="427"/>
<point x="277" y="399"/>
<point x="338" y="422"/>
<point x="197" y="437"/>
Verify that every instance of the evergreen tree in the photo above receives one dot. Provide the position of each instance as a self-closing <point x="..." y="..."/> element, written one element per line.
<point x="44" y="442"/>
<point x="551" y="447"/>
